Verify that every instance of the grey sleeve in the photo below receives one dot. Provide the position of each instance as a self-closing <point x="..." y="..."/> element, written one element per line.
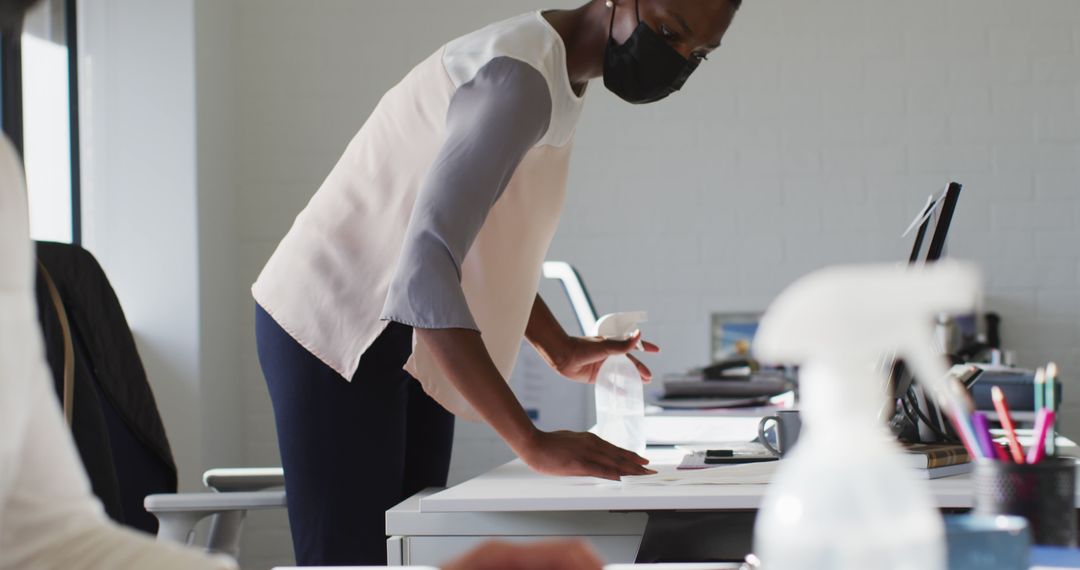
<point x="492" y="122"/>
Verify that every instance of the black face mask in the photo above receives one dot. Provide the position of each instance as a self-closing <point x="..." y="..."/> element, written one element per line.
<point x="645" y="68"/>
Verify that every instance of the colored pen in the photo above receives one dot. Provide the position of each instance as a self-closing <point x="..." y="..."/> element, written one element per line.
<point x="1043" y="423"/>
<point x="982" y="434"/>
<point x="1040" y="389"/>
<point x="1000" y="453"/>
<point x="1002" y="408"/>
<point x="1051" y="404"/>
<point x="966" y="433"/>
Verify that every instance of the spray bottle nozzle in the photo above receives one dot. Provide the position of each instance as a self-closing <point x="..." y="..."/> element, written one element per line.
<point x="620" y="325"/>
<point x="842" y="317"/>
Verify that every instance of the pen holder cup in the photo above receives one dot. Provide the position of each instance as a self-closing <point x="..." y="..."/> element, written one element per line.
<point x="1043" y="493"/>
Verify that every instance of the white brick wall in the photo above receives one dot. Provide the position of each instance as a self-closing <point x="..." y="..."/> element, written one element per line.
<point x="810" y="138"/>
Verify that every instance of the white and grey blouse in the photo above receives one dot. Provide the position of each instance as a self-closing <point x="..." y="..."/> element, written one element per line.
<point x="441" y="210"/>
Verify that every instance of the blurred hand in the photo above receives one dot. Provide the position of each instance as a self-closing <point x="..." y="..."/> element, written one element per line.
<point x="553" y="555"/>
<point x="580" y="358"/>
<point x="580" y="454"/>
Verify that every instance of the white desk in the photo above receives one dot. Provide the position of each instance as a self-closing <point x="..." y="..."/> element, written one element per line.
<point x="511" y="502"/>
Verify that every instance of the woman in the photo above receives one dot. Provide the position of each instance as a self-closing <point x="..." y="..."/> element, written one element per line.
<point x="419" y="258"/>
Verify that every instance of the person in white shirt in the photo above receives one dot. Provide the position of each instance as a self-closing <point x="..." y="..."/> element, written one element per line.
<point x="401" y="294"/>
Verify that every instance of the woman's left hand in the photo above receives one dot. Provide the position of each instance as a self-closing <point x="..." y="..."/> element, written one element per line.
<point x="580" y="358"/>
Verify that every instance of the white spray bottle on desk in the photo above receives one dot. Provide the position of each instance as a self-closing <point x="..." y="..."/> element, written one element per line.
<point x="845" y="499"/>
<point x="620" y="397"/>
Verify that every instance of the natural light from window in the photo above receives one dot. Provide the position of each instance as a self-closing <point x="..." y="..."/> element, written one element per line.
<point x="47" y="138"/>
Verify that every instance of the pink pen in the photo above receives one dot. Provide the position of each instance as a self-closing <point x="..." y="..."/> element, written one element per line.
<point x="1001" y="453"/>
<point x="1043" y="422"/>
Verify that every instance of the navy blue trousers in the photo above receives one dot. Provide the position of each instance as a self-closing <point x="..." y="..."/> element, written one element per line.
<point x="351" y="450"/>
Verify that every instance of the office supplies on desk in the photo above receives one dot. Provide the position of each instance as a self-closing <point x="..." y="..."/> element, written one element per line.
<point x="1044" y="425"/>
<point x="946" y="471"/>
<point x="702" y="403"/>
<point x="759" y="473"/>
<point x="1026" y="437"/>
<point x="961" y="417"/>
<point x="786" y="433"/>
<point x="731" y="369"/>
<point x="1043" y="493"/>
<point x="933" y="455"/>
<point x="700" y="460"/>
<point x="1052" y="404"/>
<point x="1005" y="418"/>
<point x="700" y="430"/>
<point x="821" y="324"/>
<point x="1018" y="385"/>
<point x="987" y="543"/>
<point x="982" y="434"/>
<point x="1040" y="389"/>
<point x="762" y="384"/>
<point x="1054" y="558"/>
<point x="1000" y="453"/>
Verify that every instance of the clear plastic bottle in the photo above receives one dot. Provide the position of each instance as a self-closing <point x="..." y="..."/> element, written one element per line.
<point x="620" y="399"/>
<point x="844" y="499"/>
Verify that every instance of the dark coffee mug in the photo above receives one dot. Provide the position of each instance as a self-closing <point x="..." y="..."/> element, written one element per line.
<point x="787" y="430"/>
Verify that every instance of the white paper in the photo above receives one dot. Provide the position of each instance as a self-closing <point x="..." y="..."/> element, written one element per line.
<point x="684" y="430"/>
<point x="744" y="474"/>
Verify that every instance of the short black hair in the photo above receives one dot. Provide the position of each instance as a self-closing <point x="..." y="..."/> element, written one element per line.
<point x="737" y="4"/>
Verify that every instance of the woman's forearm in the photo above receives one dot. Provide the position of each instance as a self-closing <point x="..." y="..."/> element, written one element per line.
<point x="545" y="333"/>
<point x="462" y="356"/>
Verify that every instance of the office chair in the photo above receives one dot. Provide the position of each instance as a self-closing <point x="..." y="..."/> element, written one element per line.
<point x="115" y="420"/>
<point x="234" y="492"/>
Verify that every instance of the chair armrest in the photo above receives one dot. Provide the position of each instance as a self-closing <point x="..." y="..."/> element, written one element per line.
<point x="244" y="479"/>
<point x="211" y="503"/>
<point x="178" y="514"/>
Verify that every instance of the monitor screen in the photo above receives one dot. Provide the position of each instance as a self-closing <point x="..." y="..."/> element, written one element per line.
<point x="938" y="213"/>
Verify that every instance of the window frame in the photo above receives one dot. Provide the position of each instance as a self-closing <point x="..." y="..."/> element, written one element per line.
<point x="12" y="121"/>
<point x="11" y="116"/>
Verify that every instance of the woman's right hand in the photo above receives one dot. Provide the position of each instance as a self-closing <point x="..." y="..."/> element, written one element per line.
<point x="571" y="453"/>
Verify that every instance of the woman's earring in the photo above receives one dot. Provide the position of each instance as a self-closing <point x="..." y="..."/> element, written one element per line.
<point x="609" y="4"/>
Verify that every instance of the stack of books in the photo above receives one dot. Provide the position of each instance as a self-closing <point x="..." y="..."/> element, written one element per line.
<point x="937" y="460"/>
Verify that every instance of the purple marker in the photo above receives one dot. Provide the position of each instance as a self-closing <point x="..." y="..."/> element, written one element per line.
<point x="982" y="434"/>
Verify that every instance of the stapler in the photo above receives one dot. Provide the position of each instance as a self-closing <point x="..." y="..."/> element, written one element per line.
<point x="731" y="369"/>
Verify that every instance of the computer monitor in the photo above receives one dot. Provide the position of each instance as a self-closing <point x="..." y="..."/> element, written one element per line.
<point x="938" y="212"/>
